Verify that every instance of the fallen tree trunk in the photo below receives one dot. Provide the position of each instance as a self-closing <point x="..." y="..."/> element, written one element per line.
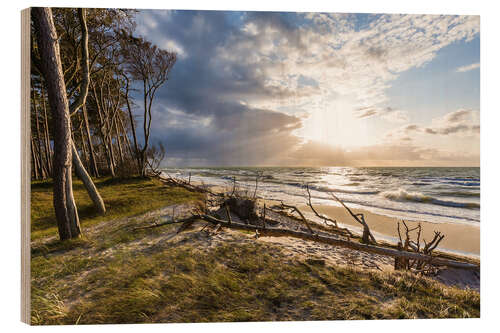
<point x="271" y="231"/>
<point x="278" y="232"/>
<point x="187" y="185"/>
<point x="301" y="215"/>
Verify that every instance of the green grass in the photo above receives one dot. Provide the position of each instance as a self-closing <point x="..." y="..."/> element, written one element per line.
<point x="122" y="197"/>
<point x="106" y="277"/>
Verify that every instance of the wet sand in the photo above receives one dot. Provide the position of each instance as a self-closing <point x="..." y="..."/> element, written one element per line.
<point x="458" y="237"/>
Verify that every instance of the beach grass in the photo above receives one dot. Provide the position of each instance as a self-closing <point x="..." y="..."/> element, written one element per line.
<point x="232" y="282"/>
<point x="117" y="275"/>
<point x="123" y="197"/>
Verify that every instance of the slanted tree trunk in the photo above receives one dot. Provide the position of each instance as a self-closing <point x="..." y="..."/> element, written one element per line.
<point x="83" y="144"/>
<point x="48" y="46"/>
<point x="87" y="182"/>
<point x="132" y="124"/>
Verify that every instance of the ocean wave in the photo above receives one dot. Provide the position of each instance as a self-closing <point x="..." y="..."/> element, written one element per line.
<point x="338" y="190"/>
<point x="403" y="195"/>
<point x="463" y="183"/>
<point x="461" y="194"/>
<point x="467" y="179"/>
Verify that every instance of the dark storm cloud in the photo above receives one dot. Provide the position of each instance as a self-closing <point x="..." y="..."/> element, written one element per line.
<point x="237" y="135"/>
<point x="200" y="81"/>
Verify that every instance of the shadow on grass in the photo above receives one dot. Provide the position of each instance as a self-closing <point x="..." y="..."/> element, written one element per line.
<point x="108" y="181"/>
<point x="45" y="222"/>
<point x="58" y="246"/>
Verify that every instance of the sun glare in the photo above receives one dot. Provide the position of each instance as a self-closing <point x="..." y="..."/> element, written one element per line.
<point x="337" y="125"/>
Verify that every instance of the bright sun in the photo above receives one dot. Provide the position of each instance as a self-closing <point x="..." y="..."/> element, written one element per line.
<point x="337" y="125"/>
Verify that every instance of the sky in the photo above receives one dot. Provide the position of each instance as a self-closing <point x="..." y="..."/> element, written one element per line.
<point x="316" y="89"/>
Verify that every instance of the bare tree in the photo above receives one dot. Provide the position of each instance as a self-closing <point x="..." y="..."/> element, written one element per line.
<point x="150" y="65"/>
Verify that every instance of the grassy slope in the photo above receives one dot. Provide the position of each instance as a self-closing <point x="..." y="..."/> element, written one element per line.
<point x="122" y="197"/>
<point x="103" y="280"/>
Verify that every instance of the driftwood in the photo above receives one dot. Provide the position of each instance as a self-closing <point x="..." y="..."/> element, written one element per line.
<point x="409" y="245"/>
<point x="187" y="185"/>
<point x="335" y="228"/>
<point x="303" y="218"/>
<point x="413" y="253"/>
<point x="157" y="225"/>
<point x="367" y="234"/>
<point x="278" y="232"/>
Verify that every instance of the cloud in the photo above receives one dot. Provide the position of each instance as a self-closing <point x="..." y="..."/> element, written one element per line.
<point x="387" y="113"/>
<point x="467" y="68"/>
<point x="463" y="122"/>
<point x="245" y="82"/>
<point x="235" y="136"/>
<point x="404" y="153"/>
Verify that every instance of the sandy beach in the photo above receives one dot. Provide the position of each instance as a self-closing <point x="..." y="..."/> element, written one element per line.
<point x="462" y="238"/>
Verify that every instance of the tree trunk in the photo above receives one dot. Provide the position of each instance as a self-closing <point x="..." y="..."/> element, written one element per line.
<point x="93" y="161"/>
<point x="127" y="141"/>
<point x="87" y="182"/>
<point x="74" y="225"/>
<point x="84" y="147"/>
<point x="132" y="124"/>
<point x="102" y="125"/>
<point x="48" y="150"/>
<point x="143" y="162"/>
<point x="43" y="166"/>
<point x="33" y="160"/>
<point x="111" y="155"/>
<point x="48" y="45"/>
<point x="118" y="140"/>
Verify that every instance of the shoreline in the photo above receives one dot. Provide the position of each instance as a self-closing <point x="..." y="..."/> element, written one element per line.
<point x="459" y="238"/>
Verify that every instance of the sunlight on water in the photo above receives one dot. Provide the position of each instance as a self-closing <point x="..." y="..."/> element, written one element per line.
<point x="429" y="194"/>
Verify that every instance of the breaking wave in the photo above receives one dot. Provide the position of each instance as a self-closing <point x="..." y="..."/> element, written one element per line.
<point x="403" y="195"/>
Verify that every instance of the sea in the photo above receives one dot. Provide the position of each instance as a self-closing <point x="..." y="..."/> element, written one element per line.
<point x="441" y="195"/>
